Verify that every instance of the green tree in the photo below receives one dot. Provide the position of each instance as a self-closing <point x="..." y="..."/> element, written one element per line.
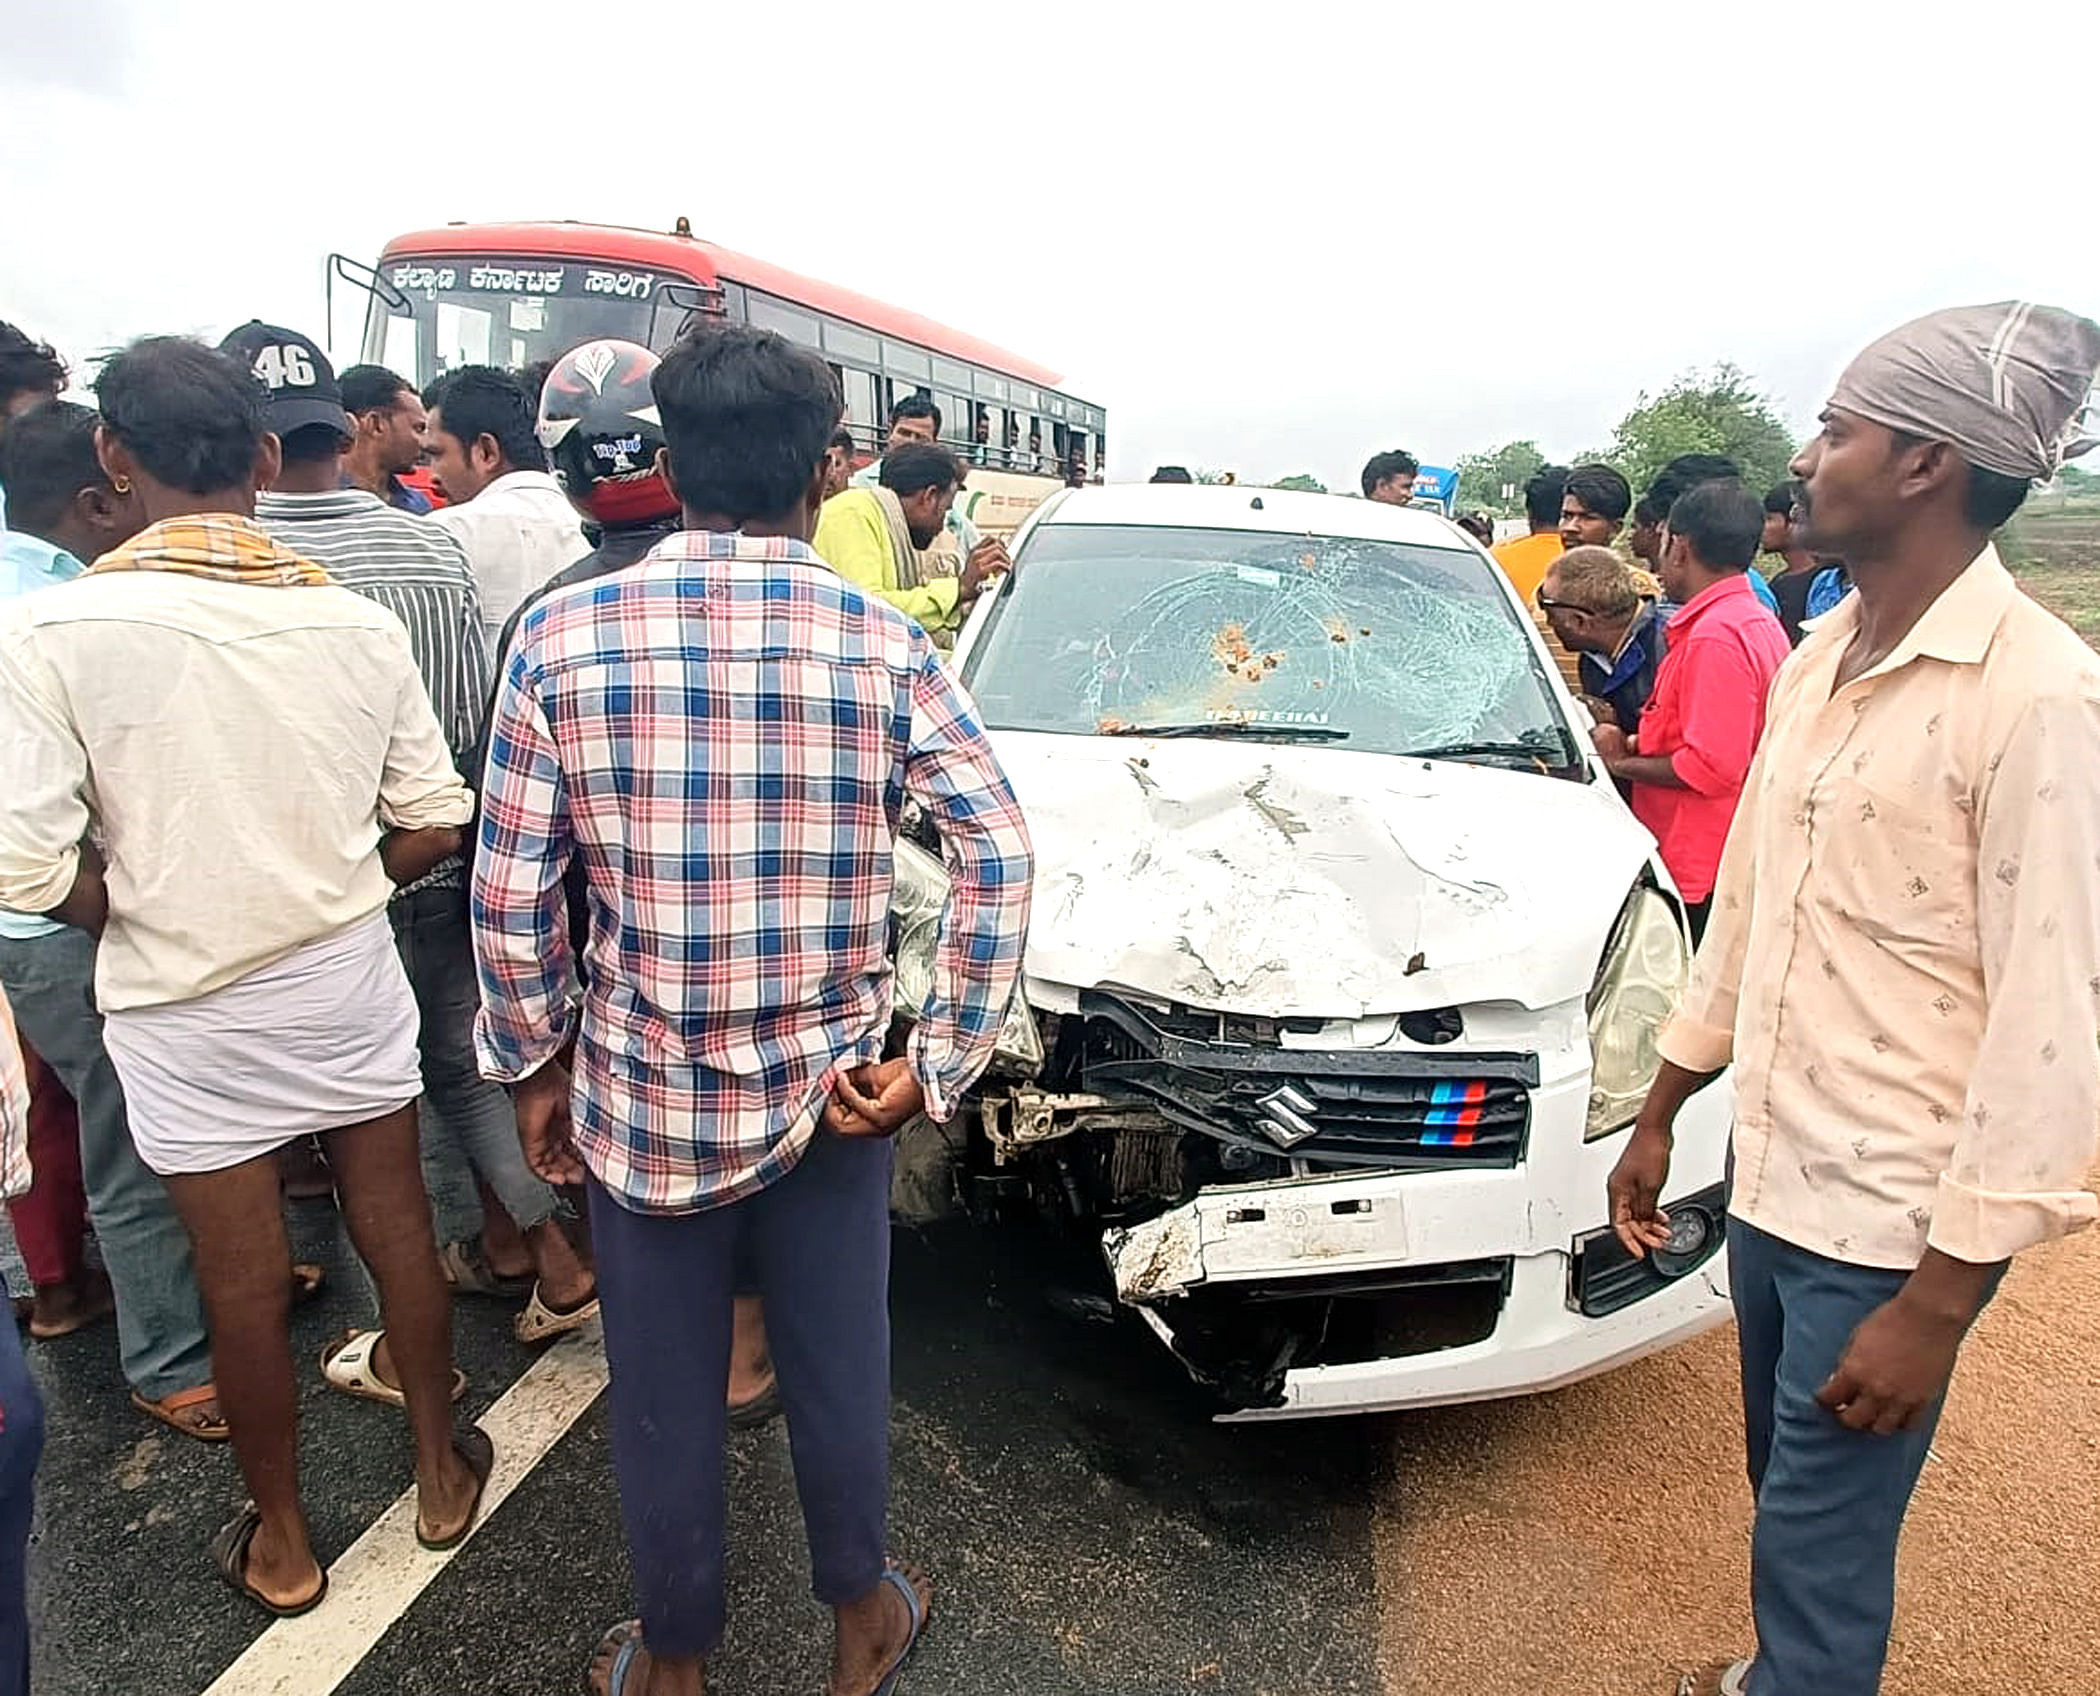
<point x="1483" y="476"/>
<point x="2078" y="482"/>
<point x="1301" y="480"/>
<point x="1716" y="411"/>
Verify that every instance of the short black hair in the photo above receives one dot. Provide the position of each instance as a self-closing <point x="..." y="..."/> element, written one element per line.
<point x="1782" y="498"/>
<point x="843" y="438"/>
<point x="1685" y="473"/>
<point x="1992" y="497"/>
<point x="372" y="388"/>
<point x="919" y="466"/>
<point x="312" y="443"/>
<point x="190" y="415"/>
<point x="1172" y="474"/>
<point x="1649" y="512"/>
<point x="916" y="406"/>
<point x="1542" y="495"/>
<point x="1601" y="490"/>
<point x="479" y="400"/>
<point x="27" y="365"/>
<point x="533" y="380"/>
<point x="1383" y="467"/>
<point x="47" y="456"/>
<point x="747" y="418"/>
<point x="1723" y="521"/>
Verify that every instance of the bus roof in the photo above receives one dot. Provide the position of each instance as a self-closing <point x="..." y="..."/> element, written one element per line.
<point x="618" y="245"/>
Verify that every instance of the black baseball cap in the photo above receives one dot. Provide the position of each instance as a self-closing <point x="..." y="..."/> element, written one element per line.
<point x="302" y="384"/>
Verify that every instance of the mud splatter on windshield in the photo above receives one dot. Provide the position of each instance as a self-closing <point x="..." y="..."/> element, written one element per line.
<point x="1405" y="647"/>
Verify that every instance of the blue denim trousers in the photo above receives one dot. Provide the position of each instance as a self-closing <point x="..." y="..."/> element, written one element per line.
<point x="1830" y="1500"/>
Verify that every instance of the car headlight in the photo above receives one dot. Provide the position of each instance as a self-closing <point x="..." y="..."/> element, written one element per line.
<point x="1643" y="973"/>
<point x="917" y="897"/>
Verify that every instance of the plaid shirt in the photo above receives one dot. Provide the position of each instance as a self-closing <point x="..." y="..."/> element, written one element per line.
<point x="726" y="733"/>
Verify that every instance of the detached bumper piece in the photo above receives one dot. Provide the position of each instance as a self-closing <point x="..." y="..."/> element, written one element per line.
<point x="1343" y="1109"/>
<point x="1603" y="1278"/>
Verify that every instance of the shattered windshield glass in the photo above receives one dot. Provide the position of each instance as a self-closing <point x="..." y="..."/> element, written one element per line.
<point x="1114" y="629"/>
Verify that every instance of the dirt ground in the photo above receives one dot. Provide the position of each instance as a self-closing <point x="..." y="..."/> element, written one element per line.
<point x="1595" y="1542"/>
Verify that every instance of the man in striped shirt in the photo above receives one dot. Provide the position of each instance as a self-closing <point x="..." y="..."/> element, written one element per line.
<point x="419" y="572"/>
<point x="727" y="732"/>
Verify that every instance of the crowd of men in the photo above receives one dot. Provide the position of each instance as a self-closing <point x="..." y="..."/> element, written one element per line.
<point x="679" y="665"/>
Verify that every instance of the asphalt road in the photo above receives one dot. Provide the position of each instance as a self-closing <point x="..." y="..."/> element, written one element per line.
<point x="1089" y="1532"/>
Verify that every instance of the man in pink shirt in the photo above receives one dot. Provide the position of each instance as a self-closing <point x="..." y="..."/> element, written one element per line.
<point x="1687" y="761"/>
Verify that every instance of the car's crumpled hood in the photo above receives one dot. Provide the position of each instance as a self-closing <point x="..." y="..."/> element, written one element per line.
<point x="1302" y="882"/>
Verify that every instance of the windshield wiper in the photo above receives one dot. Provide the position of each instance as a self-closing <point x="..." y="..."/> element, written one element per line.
<point x="1233" y="727"/>
<point x="1552" y="749"/>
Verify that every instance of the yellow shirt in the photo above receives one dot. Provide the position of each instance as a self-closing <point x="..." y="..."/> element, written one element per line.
<point x="1525" y="560"/>
<point x="853" y="538"/>
<point x="1904" y="952"/>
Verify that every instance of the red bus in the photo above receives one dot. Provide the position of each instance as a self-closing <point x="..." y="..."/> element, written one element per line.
<point x="515" y="294"/>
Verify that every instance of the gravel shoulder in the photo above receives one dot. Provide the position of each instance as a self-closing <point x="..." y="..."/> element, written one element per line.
<point x="1597" y="1540"/>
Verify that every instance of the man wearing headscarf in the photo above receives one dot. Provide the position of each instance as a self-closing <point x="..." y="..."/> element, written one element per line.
<point x="1903" y="967"/>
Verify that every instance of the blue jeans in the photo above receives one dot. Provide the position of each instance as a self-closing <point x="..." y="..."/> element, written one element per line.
<point x="161" y="1340"/>
<point x="817" y="1244"/>
<point x="21" y="1446"/>
<point x="461" y="1112"/>
<point x="1830" y="1500"/>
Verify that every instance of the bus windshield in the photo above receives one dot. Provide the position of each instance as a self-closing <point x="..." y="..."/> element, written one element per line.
<point x="513" y="312"/>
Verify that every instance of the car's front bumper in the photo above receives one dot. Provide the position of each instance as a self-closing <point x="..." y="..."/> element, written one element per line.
<point x="1527" y="1221"/>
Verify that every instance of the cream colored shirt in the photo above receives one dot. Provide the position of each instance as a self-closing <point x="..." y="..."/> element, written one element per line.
<point x="517" y="533"/>
<point x="1903" y="957"/>
<point x="236" y="750"/>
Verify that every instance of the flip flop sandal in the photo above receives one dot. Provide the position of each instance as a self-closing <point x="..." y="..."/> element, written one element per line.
<point x="347" y="1365"/>
<point x="761" y="1410"/>
<point x="894" y="1576"/>
<point x="1727" y="1678"/>
<point x="469" y="1274"/>
<point x="169" y="1410"/>
<point x="624" y="1642"/>
<point x="540" y="1323"/>
<point x="229" y="1553"/>
<point x="474" y="1446"/>
<point x="309" y="1282"/>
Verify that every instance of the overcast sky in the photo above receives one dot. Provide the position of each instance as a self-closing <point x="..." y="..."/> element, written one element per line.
<point x="1232" y="227"/>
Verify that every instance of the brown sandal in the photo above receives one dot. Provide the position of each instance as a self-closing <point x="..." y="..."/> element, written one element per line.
<point x="173" y="1412"/>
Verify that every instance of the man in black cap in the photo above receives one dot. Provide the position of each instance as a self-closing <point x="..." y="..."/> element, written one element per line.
<point x="419" y="573"/>
<point x="1902" y="966"/>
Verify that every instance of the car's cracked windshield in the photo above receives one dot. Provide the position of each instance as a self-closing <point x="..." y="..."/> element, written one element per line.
<point x="1122" y="629"/>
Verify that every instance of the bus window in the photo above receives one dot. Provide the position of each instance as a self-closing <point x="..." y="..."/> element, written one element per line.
<point x="769" y="314"/>
<point x="462" y="335"/>
<point x="955" y="419"/>
<point x="398" y="352"/>
<point x="861" y="410"/>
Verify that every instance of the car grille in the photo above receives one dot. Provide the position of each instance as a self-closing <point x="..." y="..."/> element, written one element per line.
<point x="1331" y="1109"/>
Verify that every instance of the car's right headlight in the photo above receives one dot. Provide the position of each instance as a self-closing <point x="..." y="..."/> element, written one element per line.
<point x="918" y="895"/>
<point x="1642" y="975"/>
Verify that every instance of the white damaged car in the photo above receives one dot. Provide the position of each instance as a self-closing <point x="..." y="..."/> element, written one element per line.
<point x="1347" y="961"/>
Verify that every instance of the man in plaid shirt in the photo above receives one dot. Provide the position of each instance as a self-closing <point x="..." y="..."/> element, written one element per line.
<point x="725" y="734"/>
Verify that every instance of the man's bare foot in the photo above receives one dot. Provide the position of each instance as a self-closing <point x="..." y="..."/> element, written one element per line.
<point x="280" y="1567"/>
<point x="620" y="1657"/>
<point x="503" y="1250"/>
<point x="448" y="1494"/>
<point x="565" y="1282"/>
<point x="59" y="1310"/>
<point x="876" y="1632"/>
<point x="750" y="1363"/>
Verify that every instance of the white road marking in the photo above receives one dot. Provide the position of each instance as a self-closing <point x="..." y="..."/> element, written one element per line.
<point x="374" y="1581"/>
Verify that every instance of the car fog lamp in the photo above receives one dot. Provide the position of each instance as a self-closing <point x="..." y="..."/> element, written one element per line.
<point x="1692" y="1234"/>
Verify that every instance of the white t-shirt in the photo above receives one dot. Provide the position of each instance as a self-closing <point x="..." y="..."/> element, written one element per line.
<point x="518" y="532"/>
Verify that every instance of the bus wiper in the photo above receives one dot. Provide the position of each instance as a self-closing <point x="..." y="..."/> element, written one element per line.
<point x="1232" y="727"/>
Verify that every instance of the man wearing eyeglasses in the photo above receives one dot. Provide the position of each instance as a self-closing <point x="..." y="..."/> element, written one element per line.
<point x="1598" y="615"/>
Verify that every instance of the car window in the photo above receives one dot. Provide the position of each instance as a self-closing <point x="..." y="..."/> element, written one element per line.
<point x="1402" y="648"/>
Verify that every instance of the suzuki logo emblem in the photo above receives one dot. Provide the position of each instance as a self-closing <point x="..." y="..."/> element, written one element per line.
<point x="1286" y="1116"/>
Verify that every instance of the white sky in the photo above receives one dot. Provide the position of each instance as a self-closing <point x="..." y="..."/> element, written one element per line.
<point x="1233" y="234"/>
